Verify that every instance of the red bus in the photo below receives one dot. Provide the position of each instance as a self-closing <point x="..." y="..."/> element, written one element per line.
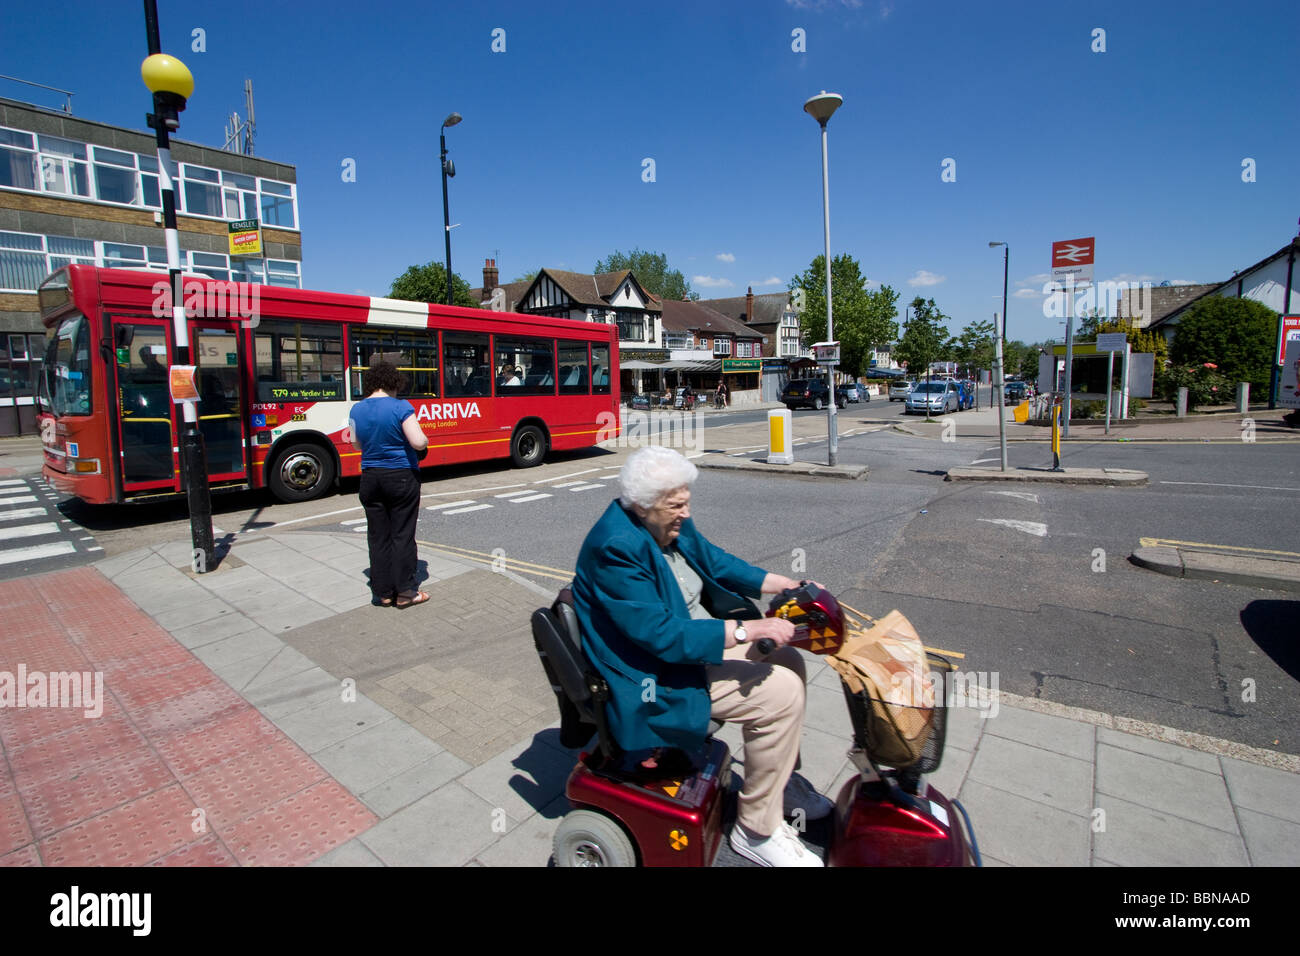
<point x="278" y="371"/>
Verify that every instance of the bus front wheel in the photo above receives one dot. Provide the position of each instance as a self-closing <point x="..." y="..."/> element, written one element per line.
<point x="528" y="447"/>
<point x="301" y="473"/>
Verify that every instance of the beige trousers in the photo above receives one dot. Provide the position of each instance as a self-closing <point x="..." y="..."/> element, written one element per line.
<point x="765" y="695"/>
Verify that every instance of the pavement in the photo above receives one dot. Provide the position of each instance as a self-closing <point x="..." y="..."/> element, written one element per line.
<point x="265" y="713"/>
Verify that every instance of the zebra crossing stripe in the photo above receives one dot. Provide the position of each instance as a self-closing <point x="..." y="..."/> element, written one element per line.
<point x="519" y="501"/>
<point x="586" y="487"/>
<point x="461" y="511"/>
<point x="36" y="552"/>
<point x="9" y="482"/>
<point x="512" y="494"/>
<point x="450" y="504"/>
<point x="23" y="513"/>
<point x="29" y="531"/>
<point x="16" y="501"/>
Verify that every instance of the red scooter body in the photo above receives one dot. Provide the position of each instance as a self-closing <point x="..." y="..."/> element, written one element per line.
<point x="874" y="827"/>
<point x="675" y="820"/>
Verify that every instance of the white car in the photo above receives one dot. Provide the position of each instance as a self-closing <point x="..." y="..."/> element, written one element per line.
<point x="940" y="396"/>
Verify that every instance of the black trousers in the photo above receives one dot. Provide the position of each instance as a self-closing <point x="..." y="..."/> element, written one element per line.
<point x="391" y="497"/>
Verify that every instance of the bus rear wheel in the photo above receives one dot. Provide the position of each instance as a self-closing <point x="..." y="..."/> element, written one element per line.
<point x="528" y="447"/>
<point x="301" y="473"/>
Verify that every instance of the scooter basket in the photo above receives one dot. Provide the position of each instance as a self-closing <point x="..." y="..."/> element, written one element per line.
<point x="898" y="735"/>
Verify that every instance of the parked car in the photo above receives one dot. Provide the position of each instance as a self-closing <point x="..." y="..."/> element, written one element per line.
<point x="967" y="390"/>
<point x="810" y="393"/>
<point x="899" y="391"/>
<point x="1016" y="392"/>
<point x="857" y="392"/>
<point x="940" y="396"/>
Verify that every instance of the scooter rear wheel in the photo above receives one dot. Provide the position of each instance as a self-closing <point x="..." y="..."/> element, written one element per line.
<point x="587" y="838"/>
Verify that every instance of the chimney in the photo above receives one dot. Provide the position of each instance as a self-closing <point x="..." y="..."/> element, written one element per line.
<point x="489" y="275"/>
<point x="749" y="305"/>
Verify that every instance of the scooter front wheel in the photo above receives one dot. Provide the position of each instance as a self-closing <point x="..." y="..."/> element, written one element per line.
<point x="587" y="838"/>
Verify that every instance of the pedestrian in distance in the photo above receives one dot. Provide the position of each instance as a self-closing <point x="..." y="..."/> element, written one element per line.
<point x="385" y="430"/>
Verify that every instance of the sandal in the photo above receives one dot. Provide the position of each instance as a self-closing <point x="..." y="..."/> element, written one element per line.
<point x="386" y="602"/>
<point x="419" y="597"/>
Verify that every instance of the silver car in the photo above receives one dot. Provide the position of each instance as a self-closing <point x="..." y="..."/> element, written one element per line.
<point x="899" y="391"/>
<point x="939" y="397"/>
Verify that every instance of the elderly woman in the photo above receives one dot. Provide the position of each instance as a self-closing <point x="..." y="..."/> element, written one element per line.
<point x="384" y="429"/>
<point x="664" y="622"/>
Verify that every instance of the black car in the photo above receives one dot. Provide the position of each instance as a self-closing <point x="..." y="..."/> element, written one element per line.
<point x="810" y="393"/>
<point x="1015" y="391"/>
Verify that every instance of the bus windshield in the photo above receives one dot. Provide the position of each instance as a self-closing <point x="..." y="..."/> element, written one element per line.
<point x="66" y="383"/>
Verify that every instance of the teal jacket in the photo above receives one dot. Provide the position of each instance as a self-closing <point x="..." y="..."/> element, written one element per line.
<point x="637" y="632"/>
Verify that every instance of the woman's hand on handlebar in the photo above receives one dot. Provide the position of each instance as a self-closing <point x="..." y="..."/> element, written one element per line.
<point x="778" y="630"/>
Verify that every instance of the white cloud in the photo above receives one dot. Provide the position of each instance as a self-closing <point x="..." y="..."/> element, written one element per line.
<point x="708" y="282"/>
<point x="772" y="281"/>
<point x="725" y="257"/>
<point x="1027" y="293"/>
<point x="923" y="278"/>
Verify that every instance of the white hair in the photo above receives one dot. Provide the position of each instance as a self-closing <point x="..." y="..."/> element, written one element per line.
<point x="653" y="472"/>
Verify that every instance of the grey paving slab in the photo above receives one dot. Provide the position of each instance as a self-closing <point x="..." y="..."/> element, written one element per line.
<point x="827" y="711"/>
<point x="217" y="629"/>
<point x="406" y="788"/>
<point x="238" y="673"/>
<point x="292" y="692"/>
<point x="1035" y="774"/>
<point x="1049" y="732"/>
<point x="1165" y="787"/>
<point x="287" y="663"/>
<point x="1135" y="835"/>
<point x="950" y="776"/>
<point x="326" y="723"/>
<point x="292" y="616"/>
<point x="965" y="726"/>
<point x="823" y="756"/>
<point x="449" y="827"/>
<point x="1023" y="832"/>
<point x="1264" y="789"/>
<point x="206" y="608"/>
<point x="352" y="853"/>
<point x="363" y="761"/>
<point x="1158" y="748"/>
<point x="132" y="561"/>
<point x="1270" y="840"/>
<point x="239" y="647"/>
<point x="531" y="842"/>
<point x="522" y="779"/>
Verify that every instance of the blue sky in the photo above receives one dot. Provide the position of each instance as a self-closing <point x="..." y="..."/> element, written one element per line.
<point x="1141" y="145"/>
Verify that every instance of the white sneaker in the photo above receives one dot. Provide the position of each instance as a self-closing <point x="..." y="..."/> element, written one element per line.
<point x="782" y="848"/>
<point x="800" y="795"/>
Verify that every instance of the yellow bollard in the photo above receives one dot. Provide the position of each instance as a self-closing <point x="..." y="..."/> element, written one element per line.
<point x="1056" y="437"/>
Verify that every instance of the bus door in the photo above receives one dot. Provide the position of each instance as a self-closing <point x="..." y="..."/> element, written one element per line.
<point x="146" y="417"/>
<point x="216" y="352"/>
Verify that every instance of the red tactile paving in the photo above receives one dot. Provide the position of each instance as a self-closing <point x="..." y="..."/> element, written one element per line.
<point x="132" y="835"/>
<point x="207" y="852"/>
<point x="122" y="789"/>
<point x="300" y="828"/>
<point x="232" y="791"/>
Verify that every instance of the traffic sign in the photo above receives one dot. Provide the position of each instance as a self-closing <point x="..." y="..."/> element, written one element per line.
<point x="1074" y="257"/>
<point x="1111" y="341"/>
<point x="827" y="353"/>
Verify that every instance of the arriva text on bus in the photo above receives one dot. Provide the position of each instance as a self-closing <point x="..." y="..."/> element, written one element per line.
<point x="211" y="299"/>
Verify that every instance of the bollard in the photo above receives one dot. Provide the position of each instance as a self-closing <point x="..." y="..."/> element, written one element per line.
<point x="1182" y="402"/>
<point x="780" y="435"/>
<point x="1243" y="397"/>
<point x="1056" y="438"/>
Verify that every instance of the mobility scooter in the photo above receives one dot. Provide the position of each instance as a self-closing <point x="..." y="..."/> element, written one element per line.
<point x="665" y="807"/>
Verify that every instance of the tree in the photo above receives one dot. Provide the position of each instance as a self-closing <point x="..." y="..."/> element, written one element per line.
<point x="863" y="318"/>
<point x="527" y="276"/>
<point x="651" y="270"/>
<point x="924" y="339"/>
<point x="975" y="348"/>
<point x="1237" y="335"/>
<point x="428" y="283"/>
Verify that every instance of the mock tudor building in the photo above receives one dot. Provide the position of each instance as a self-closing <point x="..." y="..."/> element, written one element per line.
<point x="77" y="191"/>
<point x="773" y="316"/>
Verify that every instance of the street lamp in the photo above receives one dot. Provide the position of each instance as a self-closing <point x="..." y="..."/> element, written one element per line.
<point x="999" y="385"/>
<point x="448" y="169"/>
<point x="171" y="84"/>
<point x="820" y="108"/>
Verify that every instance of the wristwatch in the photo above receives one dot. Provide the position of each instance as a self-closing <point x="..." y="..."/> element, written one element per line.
<point x="740" y="634"/>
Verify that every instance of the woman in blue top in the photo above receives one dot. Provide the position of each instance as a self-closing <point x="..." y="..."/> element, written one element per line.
<point x="385" y="430"/>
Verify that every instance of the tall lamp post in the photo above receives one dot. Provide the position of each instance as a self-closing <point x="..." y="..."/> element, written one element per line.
<point x="820" y="108"/>
<point x="1000" y="380"/>
<point x="448" y="169"/>
<point x="171" y="84"/>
